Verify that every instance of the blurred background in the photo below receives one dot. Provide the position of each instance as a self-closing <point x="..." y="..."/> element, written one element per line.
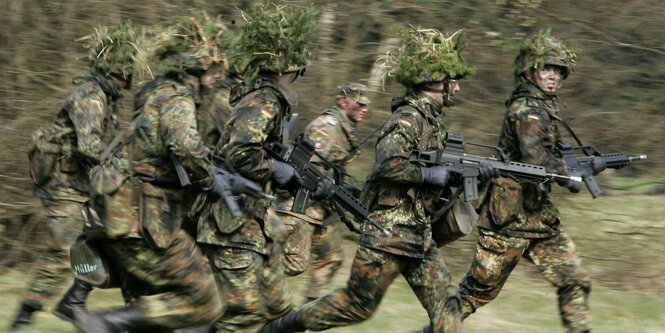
<point x="615" y="100"/>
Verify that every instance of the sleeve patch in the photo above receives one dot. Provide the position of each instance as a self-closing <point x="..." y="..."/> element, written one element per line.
<point x="318" y="145"/>
<point x="266" y="113"/>
<point x="533" y="116"/>
<point x="324" y="132"/>
<point x="406" y="122"/>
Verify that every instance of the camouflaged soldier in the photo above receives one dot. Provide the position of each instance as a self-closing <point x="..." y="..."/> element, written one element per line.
<point x="154" y="251"/>
<point x="62" y="154"/>
<point x="313" y="234"/>
<point x="244" y="251"/>
<point x="400" y="195"/>
<point x="519" y="220"/>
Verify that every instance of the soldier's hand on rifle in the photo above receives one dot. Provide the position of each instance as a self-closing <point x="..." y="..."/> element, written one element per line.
<point x="324" y="190"/>
<point x="598" y="165"/>
<point x="436" y="175"/>
<point x="487" y="172"/>
<point x="220" y="184"/>
<point x="284" y="174"/>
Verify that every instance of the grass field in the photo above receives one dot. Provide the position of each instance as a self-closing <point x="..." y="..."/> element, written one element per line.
<point x="620" y="238"/>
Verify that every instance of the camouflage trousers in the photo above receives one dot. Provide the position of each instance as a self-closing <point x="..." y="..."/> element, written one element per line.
<point x="177" y="287"/>
<point x="556" y="258"/>
<point x="64" y="223"/>
<point x="316" y="244"/>
<point x="252" y="285"/>
<point x="371" y="274"/>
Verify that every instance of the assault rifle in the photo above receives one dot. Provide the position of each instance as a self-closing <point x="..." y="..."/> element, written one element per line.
<point x="453" y="156"/>
<point x="583" y="166"/>
<point x="298" y="154"/>
<point x="233" y="183"/>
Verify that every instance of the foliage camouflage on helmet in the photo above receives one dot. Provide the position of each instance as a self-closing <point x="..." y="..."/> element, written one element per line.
<point x="426" y="55"/>
<point x="540" y="49"/>
<point x="191" y="43"/>
<point x="120" y="51"/>
<point x="277" y="39"/>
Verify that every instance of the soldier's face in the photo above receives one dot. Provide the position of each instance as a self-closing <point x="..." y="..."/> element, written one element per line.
<point x="357" y="111"/>
<point x="548" y="78"/>
<point x="211" y="76"/>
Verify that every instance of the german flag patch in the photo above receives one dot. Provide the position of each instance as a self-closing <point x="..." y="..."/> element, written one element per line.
<point x="406" y="122"/>
<point x="266" y="113"/>
<point x="533" y="116"/>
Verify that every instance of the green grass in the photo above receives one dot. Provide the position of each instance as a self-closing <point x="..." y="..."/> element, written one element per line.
<point x="619" y="238"/>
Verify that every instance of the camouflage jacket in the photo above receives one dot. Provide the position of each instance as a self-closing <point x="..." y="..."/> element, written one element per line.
<point x="334" y="136"/>
<point x="393" y="192"/>
<point x="257" y="119"/>
<point x="165" y="127"/>
<point x="529" y="134"/>
<point x="87" y="122"/>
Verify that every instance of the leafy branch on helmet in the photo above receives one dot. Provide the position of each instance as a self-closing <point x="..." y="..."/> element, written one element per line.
<point x="275" y="39"/>
<point x="540" y="49"/>
<point x="191" y="43"/>
<point x="120" y="51"/>
<point x="426" y="55"/>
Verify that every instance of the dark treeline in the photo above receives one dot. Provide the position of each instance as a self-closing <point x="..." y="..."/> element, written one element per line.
<point x="614" y="100"/>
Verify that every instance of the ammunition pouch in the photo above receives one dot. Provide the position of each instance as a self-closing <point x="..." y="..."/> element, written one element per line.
<point x="506" y="201"/>
<point x="44" y="152"/>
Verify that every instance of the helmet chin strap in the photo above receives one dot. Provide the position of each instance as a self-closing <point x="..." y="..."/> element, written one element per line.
<point x="444" y="92"/>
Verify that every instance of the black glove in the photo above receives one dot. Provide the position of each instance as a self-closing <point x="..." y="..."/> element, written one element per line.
<point x="598" y="165"/>
<point x="573" y="186"/>
<point x="284" y="174"/>
<point x="487" y="172"/>
<point x="219" y="183"/>
<point x="324" y="190"/>
<point x="436" y="175"/>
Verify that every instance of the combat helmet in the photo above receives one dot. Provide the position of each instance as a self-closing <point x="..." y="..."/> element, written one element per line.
<point x="275" y="39"/>
<point x="191" y="44"/>
<point x="119" y="52"/>
<point x="426" y="55"/>
<point x="541" y="49"/>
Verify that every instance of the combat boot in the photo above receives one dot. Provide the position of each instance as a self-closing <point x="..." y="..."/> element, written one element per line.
<point x="109" y="322"/>
<point x="75" y="297"/>
<point x="24" y="316"/>
<point x="286" y="324"/>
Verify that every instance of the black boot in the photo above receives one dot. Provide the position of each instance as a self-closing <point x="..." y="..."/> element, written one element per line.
<point x="75" y="297"/>
<point x="286" y="324"/>
<point x="24" y="316"/>
<point x="109" y="322"/>
<point x="426" y="329"/>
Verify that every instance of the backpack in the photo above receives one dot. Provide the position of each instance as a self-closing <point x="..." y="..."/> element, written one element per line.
<point x="46" y="148"/>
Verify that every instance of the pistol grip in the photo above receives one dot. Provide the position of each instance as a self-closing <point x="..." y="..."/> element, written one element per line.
<point x="470" y="188"/>
<point x="593" y="187"/>
<point x="300" y="202"/>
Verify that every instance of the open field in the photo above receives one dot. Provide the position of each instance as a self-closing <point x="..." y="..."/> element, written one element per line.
<point x="620" y="238"/>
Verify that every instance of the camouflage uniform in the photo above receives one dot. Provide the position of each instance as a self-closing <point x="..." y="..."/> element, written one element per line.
<point x="400" y="205"/>
<point x="243" y="251"/>
<point x="334" y="136"/>
<point x="519" y="220"/>
<point x="178" y="288"/>
<point x="213" y="114"/>
<point x="88" y="122"/>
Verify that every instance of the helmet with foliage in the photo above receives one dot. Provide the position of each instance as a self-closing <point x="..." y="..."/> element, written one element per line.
<point x="426" y="55"/>
<point x="276" y="39"/>
<point x="541" y="49"/>
<point x="119" y="51"/>
<point x="191" y="44"/>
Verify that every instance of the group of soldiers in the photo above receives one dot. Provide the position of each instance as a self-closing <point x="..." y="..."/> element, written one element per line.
<point x="185" y="260"/>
